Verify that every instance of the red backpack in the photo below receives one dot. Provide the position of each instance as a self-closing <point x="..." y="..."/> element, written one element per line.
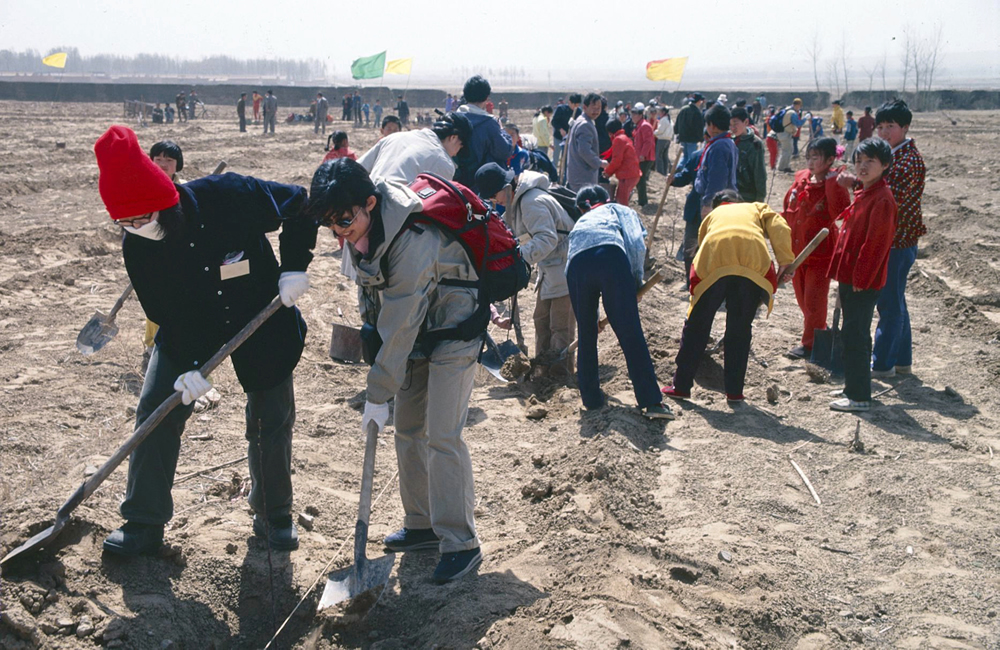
<point x="459" y="213"/>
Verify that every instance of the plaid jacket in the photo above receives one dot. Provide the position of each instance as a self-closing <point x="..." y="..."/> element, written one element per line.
<point x="906" y="180"/>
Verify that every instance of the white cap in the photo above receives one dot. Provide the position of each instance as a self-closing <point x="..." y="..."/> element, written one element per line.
<point x="639" y="106"/>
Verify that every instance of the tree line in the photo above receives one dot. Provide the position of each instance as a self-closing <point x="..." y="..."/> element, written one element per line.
<point x="30" y="61"/>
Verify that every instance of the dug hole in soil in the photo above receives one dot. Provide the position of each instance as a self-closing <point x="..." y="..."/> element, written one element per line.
<point x="600" y="530"/>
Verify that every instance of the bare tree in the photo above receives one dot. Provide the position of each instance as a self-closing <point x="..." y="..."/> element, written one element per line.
<point x="882" y="66"/>
<point x="907" y="56"/>
<point x="933" y="54"/>
<point x="814" y="51"/>
<point x="871" y="72"/>
<point x="843" y="59"/>
<point x="833" y="75"/>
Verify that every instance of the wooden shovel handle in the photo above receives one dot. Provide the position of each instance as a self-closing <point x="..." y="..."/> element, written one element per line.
<point x="118" y="303"/>
<point x="140" y="434"/>
<point x="663" y="198"/>
<point x="810" y="247"/>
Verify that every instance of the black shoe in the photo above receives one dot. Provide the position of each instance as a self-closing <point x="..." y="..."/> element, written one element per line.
<point x="657" y="412"/>
<point x="455" y="565"/>
<point x="135" y="539"/>
<point x="411" y="539"/>
<point x="284" y="536"/>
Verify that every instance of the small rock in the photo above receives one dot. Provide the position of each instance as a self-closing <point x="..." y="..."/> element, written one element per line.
<point x="306" y="521"/>
<point x="312" y="511"/>
<point x="48" y="628"/>
<point x="564" y="488"/>
<point x="846" y="613"/>
<point x="69" y="282"/>
<point x="725" y="556"/>
<point x="539" y="461"/>
<point x="537" y="489"/>
<point x="536" y="412"/>
<point x="231" y="548"/>
<point x="909" y="550"/>
<point x="951" y="392"/>
<point x="65" y="621"/>
<point x="85" y="628"/>
<point x="772" y="394"/>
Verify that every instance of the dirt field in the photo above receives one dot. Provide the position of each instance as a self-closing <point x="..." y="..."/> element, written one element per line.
<point x="696" y="534"/>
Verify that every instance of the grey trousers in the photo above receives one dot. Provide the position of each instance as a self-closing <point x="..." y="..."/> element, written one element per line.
<point x="269" y="120"/>
<point x="270" y="415"/>
<point x="785" y="151"/>
<point x="435" y="470"/>
<point x="555" y="329"/>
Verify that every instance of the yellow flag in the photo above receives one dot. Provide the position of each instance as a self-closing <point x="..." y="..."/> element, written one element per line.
<point x="399" y="66"/>
<point x="57" y="60"/>
<point x="666" y="69"/>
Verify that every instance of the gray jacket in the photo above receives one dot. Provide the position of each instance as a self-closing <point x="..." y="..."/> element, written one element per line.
<point x="615" y="225"/>
<point x="583" y="155"/>
<point x="541" y="225"/>
<point x="412" y="298"/>
<point x="270" y="105"/>
<point x="322" y="107"/>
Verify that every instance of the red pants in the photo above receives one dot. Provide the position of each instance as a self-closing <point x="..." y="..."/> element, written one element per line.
<point x="811" y="290"/>
<point x="772" y="150"/>
<point x="625" y="187"/>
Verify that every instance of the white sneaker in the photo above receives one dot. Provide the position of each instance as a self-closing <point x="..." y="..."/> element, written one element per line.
<point x="904" y="370"/>
<point x="883" y="374"/>
<point x="847" y="405"/>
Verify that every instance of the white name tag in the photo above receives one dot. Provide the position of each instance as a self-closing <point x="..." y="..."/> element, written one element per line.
<point x="235" y="270"/>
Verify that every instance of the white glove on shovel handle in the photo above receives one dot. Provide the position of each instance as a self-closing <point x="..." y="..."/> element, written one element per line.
<point x="192" y="386"/>
<point x="291" y="286"/>
<point x="377" y="413"/>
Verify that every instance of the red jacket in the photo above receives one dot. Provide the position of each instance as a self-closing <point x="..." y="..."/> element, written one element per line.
<point x="862" y="251"/>
<point x="817" y="206"/>
<point x="624" y="161"/>
<point x="645" y="141"/>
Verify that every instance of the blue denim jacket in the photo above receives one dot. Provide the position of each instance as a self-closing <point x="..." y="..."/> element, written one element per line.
<point x="615" y="225"/>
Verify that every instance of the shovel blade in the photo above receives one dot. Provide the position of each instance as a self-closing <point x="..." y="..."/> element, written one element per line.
<point x="37" y="541"/>
<point x="828" y="350"/>
<point x="363" y="576"/>
<point x="496" y="354"/>
<point x="345" y="343"/>
<point x="95" y="334"/>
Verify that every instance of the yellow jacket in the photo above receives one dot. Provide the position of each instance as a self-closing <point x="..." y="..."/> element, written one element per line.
<point x="839" y="120"/>
<point x="731" y="241"/>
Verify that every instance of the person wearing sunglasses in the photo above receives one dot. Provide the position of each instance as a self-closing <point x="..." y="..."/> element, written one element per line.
<point x="202" y="267"/>
<point x="414" y="282"/>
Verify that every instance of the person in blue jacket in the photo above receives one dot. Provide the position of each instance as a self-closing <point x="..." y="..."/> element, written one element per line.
<point x="202" y="267"/>
<point x="489" y="142"/>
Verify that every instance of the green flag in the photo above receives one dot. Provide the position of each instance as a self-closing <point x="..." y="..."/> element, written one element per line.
<point x="368" y="67"/>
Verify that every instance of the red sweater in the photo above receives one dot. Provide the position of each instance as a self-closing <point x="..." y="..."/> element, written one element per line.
<point x="817" y="206"/>
<point x="343" y="152"/>
<point x="862" y="250"/>
<point x="624" y="161"/>
<point x="645" y="142"/>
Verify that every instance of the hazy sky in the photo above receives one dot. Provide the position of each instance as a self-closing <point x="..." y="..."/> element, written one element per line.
<point x="445" y="36"/>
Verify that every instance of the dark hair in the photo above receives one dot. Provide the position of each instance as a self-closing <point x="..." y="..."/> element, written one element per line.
<point x="171" y="221"/>
<point x="575" y="98"/>
<point x="709" y="104"/>
<point x="170" y="149"/>
<point x="718" y="116"/>
<point x="895" y="111"/>
<point x="391" y="118"/>
<point x="336" y="138"/>
<point x="337" y="186"/>
<point x="827" y="147"/>
<point x="591" y="98"/>
<point x="591" y="195"/>
<point x="476" y="89"/>
<point x="850" y="113"/>
<point x="868" y="109"/>
<point x="725" y="196"/>
<point x="875" y="148"/>
<point x="453" y="124"/>
<point x="613" y="126"/>
<point x="243" y="94"/>
<point x="739" y="113"/>
<point x="546" y="109"/>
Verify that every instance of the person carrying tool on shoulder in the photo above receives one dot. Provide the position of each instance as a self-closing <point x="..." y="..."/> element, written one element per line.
<point x="413" y="282"/>
<point x="541" y="226"/>
<point x="202" y="267"/>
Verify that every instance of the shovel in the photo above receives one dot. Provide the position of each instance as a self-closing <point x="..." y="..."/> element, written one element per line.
<point x="801" y="257"/>
<point x="101" y="328"/>
<point x="828" y="345"/>
<point x="364" y="575"/>
<point x="495" y="355"/>
<point x="91" y="484"/>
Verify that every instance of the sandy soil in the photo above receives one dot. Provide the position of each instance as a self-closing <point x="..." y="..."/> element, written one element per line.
<point x="697" y="533"/>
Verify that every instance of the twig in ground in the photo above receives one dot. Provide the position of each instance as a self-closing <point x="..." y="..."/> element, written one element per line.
<point x="196" y="506"/>
<point x="833" y="549"/>
<point x="806" y="481"/>
<point x="188" y="477"/>
<point x="890" y="388"/>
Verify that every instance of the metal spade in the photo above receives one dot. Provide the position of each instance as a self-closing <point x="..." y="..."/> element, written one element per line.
<point x="101" y="328"/>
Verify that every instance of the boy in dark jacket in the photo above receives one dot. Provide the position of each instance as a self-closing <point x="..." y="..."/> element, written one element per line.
<point x="751" y="176"/>
<point x="859" y="266"/>
<point x="489" y="142"/>
<point x="689" y="126"/>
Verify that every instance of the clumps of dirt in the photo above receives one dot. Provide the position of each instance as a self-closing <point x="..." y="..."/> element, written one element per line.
<point x="236" y="487"/>
<point x="515" y="367"/>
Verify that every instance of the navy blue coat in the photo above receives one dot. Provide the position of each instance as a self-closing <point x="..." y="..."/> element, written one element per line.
<point x="179" y="282"/>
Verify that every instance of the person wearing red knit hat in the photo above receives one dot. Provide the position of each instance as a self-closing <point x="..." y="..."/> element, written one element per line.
<point x="202" y="267"/>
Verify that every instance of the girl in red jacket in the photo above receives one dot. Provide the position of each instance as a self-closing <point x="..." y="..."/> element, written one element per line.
<point x="859" y="266"/>
<point x="624" y="163"/>
<point x="814" y="202"/>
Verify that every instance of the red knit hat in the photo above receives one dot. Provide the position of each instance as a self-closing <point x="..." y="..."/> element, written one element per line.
<point x="130" y="183"/>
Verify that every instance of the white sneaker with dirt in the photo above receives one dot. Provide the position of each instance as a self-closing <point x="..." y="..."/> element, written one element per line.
<point x="883" y="374"/>
<point x="847" y="405"/>
<point x="904" y="370"/>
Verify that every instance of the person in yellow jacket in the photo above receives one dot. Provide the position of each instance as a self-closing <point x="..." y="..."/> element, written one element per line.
<point x="733" y="266"/>
<point x="838" y="117"/>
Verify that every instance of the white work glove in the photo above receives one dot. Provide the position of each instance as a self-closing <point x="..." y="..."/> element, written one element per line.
<point x="291" y="286"/>
<point x="193" y="386"/>
<point x="377" y="413"/>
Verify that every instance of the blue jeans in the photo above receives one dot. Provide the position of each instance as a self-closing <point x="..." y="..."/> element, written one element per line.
<point x="689" y="149"/>
<point x="557" y="148"/>
<point x="603" y="274"/>
<point x="893" y="343"/>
